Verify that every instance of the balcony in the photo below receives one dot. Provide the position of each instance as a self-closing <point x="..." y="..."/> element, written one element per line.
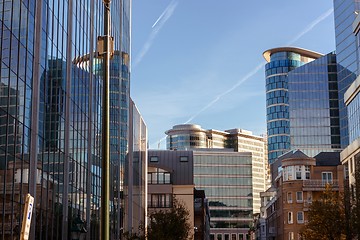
<point x="319" y="185"/>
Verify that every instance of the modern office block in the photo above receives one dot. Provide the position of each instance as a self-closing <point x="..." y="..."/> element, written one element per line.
<point x="345" y="12"/>
<point x="135" y="190"/>
<point x="190" y="136"/>
<point x="50" y="116"/>
<point x="226" y="177"/>
<point x="302" y="101"/>
<point x="350" y="156"/>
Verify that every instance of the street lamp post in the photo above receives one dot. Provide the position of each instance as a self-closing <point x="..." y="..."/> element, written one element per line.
<point x="105" y="50"/>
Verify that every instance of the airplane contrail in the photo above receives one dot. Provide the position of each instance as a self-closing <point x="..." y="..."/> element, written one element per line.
<point x="307" y="29"/>
<point x="168" y="8"/>
<point x="159" y="23"/>
<point x="260" y="65"/>
<point x="218" y="97"/>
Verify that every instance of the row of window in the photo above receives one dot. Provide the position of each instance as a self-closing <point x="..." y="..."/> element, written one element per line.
<point x="299" y="217"/>
<point x="226" y="236"/>
<point x="299" y="197"/>
<point x="296" y="173"/>
<point x="159" y="200"/>
<point x="277" y="100"/>
<point x="277" y="93"/>
<point x="181" y="158"/>
<point x="279" y="147"/>
<point x="278" y="70"/>
<point x="159" y="178"/>
<point x="281" y="63"/>
<point x="277" y="115"/>
<point x="276" y="85"/>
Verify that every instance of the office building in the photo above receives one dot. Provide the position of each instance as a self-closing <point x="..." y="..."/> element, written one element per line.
<point x="301" y="102"/>
<point x="302" y="180"/>
<point x="201" y="216"/>
<point x="170" y="175"/>
<point x="135" y="190"/>
<point x="226" y="177"/>
<point x="191" y="136"/>
<point x="345" y="12"/>
<point x="350" y="156"/>
<point x="50" y="116"/>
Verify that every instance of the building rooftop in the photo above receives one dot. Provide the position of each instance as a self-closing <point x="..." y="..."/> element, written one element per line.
<point x="328" y="159"/>
<point x="294" y="154"/>
<point x="301" y="51"/>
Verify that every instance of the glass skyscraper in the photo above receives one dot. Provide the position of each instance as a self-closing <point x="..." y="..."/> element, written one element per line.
<point x="302" y="101"/>
<point x="50" y="116"/>
<point x="346" y="54"/>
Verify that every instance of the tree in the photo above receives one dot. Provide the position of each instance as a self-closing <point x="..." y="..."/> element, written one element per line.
<point x="326" y="218"/>
<point x="352" y="202"/>
<point x="169" y="224"/>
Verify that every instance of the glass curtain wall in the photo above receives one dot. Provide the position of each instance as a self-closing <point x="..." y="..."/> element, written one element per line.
<point x="346" y="50"/>
<point x="277" y="101"/>
<point x="313" y="106"/>
<point x="227" y="182"/>
<point x="50" y="116"/>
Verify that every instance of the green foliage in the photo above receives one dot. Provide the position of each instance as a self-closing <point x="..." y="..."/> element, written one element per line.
<point x="326" y="218"/>
<point x="352" y="204"/>
<point x="169" y="225"/>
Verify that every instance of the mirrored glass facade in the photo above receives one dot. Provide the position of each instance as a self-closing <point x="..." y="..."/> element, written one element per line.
<point x="135" y="172"/>
<point x="313" y="106"/>
<point x="302" y="102"/>
<point x="50" y="116"/>
<point x="346" y="54"/>
<point x="227" y="181"/>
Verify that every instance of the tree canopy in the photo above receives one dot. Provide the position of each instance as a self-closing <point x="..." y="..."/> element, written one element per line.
<point x="171" y="224"/>
<point x="326" y="218"/>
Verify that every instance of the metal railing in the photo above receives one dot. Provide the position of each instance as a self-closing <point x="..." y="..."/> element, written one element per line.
<point x="320" y="183"/>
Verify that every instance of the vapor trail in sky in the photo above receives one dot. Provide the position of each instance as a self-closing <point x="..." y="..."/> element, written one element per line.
<point x="259" y="67"/>
<point x="156" y="27"/>
<point x="307" y="29"/>
<point x="218" y="97"/>
<point x="311" y="25"/>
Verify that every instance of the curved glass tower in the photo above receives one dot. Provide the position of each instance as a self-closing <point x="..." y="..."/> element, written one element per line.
<point x="301" y="101"/>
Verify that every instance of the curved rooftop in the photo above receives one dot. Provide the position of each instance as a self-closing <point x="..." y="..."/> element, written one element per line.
<point x="301" y="51"/>
<point x="185" y="127"/>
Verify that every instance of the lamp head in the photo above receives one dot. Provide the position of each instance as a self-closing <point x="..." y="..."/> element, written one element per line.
<point x="107" y="1"/>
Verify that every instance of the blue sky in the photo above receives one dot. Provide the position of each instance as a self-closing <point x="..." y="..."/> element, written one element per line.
<point x="200" y="61"/>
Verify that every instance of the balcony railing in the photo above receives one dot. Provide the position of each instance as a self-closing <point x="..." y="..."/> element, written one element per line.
<point x="320" y="184"/>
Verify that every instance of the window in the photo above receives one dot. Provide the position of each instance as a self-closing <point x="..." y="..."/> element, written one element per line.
<point x="300" y="217"/>
<point x="184" y="159"/>
<point x="289" y="197"/>
<point x="289" y="173"/>
<point x="299" y="196"/>
<point x="290" y="217"/>
<point x="309" y="197"/>
<point x="291" y="235"/>
<point x="159" y="177"/>
<point x="326" y="177"/>
<point x="219" y="236"/>
<point x="298" y="172"/>
<point x="154" y="159"/>
<point x="159" y="200"/>
<point x="227" y="236"/>
<point x="307" y="172"/>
